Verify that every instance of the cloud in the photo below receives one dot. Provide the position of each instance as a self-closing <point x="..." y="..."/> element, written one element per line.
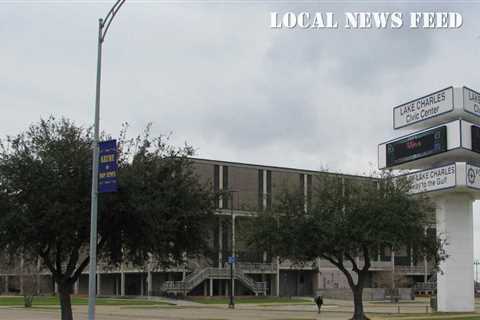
<point x="216" y="76"/>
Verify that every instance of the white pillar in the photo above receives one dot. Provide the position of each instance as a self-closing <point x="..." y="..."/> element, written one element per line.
<point x="411" y="257"/>
<point x="455" y="281"/>
<point x="21" y="275"/>
<point x="37" y="277"/>
<point x="220" y="185"/>
<point x="122" y="284"/>
<point x="21" y="285"/>
<point x="6" y="284"/>
<point x="393" y="267"/>
<point x="149" y="283"/>
<point x="264" y="200"/>
<point x="220" y="242"/>
<point x="116" y="284"/>
<point x="305" y="192"/>
<point x="278" y="277"/>
<point x="425" y="267"/>
<point x="425" y="262"/>
<point x="211" y="287"/>
<point x="75" y="286"/>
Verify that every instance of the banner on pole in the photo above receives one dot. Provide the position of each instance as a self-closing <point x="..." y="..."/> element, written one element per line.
<point x="107" y="166"/>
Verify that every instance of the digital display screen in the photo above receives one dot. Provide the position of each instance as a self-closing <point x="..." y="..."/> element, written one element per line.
<point x="417" y="146"/>
<point x="476" y="139"/>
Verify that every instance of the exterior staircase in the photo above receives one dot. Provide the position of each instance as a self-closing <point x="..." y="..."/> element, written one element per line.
<point x="196" y="278"/>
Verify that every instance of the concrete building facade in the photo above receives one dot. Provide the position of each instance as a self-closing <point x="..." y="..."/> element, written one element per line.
<point x="247" y="188"/>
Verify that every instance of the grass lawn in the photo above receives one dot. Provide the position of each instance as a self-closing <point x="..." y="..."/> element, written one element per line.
<point x="250" y="300"/>
<point x="439" y="316"/>
<point x="53" y="301"/>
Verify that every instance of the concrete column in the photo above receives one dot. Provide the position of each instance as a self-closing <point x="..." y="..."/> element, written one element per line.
<point x="149" y="283"/>
<point x="278" y="277"/>
<point x="21" y="284"/>
<point x="220" y="185"/>
<point x="75" y="287"/>
<point x="305" y="192"/>
<point x="264" y="259"/>
<point x="142" y="289"/>
<point x="38" y="276"/>
<point x="6" y="284"/>
<point x="411" y="257"/>
<point x="117" y="285"/>
<point x="227" y="288"/>
<point x="264" y="202"/>
<point x="21" y="275"/>
<point x="205" y="288"/>
<point x="455" y="224"/>
<point x="211" y="287"/>
<point x="318" y="275"/>
<point x="393" y="267"/>
<point x="220" y="242"/>
<point x="122" y="284"/>
<point x="425" y="263"/>
<point x="99" y="284"/>
<point x="425" y="273"/>
<point x="55" y="288"/>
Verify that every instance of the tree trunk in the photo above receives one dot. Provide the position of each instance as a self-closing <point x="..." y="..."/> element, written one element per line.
<point x="358" y="313"/>
<point x="65" y="303"/>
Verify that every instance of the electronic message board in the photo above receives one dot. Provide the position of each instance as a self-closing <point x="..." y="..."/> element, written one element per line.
<point x="417" y="146"/>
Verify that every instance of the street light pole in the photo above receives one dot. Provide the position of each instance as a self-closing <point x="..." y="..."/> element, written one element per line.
<point x="103" y="25"/>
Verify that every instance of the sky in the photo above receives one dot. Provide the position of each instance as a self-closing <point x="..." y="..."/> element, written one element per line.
<point x="215" y="75"/>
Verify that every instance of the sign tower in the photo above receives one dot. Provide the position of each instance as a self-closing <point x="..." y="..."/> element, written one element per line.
<point x="445" y="150"/>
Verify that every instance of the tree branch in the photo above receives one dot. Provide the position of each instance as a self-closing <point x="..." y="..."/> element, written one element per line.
<point x="80" y="269"/>
<point x="354" y="263"/>
<point x="72" y="262"/>
<point x="85" y="263"/>
<point x="48" y="263"/>
<point x="58" y="260"/>
<point x="341" y="267"/>
<point x="366" y="257"/>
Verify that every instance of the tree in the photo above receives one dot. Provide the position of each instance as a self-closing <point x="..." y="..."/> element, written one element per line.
<point x="347" y="219"/>
<point x="159" y="212"/>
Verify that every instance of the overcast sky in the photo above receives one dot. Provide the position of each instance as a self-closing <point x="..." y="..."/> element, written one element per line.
<point x="215" y="75"/>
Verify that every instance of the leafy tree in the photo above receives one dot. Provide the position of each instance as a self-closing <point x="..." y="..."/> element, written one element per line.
<point x="347" y="219"/>
<point x="159" y="212"/>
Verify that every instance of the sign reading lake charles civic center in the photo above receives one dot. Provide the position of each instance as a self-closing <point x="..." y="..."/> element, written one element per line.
<point x="107" y="166"/>
<point x="433" y="179"/>
<point x="471" y="101"/>
<point x="423" y="108"/>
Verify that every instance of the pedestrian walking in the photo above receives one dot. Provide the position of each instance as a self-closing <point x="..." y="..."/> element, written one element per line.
<point x="318" y="301"/>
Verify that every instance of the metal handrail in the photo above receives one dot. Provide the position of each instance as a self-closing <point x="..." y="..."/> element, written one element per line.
<point x="197" y="277"/>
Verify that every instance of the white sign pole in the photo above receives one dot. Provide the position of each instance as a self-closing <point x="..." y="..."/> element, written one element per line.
<point x="454" y="216"/>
